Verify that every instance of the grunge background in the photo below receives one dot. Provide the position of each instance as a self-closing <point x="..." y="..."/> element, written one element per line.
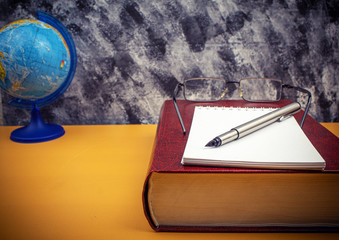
<point x="131" y="54"/>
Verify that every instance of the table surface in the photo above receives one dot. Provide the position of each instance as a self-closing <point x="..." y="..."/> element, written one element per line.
<point x="87" y="185"/>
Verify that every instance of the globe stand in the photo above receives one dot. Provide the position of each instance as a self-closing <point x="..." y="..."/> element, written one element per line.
<point x="37" y="130"/>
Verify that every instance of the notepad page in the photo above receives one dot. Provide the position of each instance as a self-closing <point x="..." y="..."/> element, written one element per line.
<point x="279" y="145"/>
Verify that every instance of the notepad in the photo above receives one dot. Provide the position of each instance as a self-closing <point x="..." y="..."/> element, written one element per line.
<point x="281" y="145"/>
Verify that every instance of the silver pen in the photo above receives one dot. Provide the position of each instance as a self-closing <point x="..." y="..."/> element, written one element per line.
<point x="254" y="125"/>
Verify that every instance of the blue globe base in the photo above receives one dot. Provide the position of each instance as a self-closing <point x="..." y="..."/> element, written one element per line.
<point x="37" y="130"/>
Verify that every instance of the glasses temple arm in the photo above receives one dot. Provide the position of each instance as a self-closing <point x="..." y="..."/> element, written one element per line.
<point x="175" y="92"/>
<point x="308" y="101"/>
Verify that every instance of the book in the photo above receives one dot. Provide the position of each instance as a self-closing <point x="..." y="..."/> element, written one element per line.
<point x="189" y="198"/>
<point x="280" y="145"/>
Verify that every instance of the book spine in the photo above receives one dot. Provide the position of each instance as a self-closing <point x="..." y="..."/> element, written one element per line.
<point x="150" y="168"/>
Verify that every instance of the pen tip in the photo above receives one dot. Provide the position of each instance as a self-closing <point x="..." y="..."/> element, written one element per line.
<point x="212" y="143"/>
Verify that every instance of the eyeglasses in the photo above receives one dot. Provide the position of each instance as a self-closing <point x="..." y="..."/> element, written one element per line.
<point x="249" y="89"/>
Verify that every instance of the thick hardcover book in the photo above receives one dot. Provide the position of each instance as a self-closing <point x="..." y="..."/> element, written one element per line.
<point x="229" y="199"/>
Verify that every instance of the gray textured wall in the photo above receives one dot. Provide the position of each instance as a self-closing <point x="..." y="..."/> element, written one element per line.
<point x="131" y="54"/>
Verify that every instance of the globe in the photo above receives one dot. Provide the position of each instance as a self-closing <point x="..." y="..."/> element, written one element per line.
<point x="37" y="64"/>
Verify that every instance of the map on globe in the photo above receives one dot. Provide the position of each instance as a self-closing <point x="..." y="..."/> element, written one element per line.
<point x="34" y="59"/>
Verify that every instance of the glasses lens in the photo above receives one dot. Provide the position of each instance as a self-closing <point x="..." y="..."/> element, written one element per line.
<point x="204" y="89"/>
<point x="261" y="89"/>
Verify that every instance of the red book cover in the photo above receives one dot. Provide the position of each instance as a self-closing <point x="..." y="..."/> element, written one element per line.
<point x="170" y="143"/>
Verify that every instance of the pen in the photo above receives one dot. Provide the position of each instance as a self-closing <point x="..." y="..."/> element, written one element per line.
<point x="254" y="125"/>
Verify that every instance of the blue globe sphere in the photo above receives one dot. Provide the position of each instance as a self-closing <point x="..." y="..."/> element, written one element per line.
<point x="37" y="64"/>
<point x="34" y="59"/>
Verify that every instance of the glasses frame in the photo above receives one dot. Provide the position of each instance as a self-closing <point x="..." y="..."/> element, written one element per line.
<point x="182" y="86"/>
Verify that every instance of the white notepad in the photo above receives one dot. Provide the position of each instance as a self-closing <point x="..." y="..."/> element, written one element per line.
<point x="281" y="145"/>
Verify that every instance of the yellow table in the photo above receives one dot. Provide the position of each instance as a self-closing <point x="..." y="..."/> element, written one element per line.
<point x="87" y="185"/>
